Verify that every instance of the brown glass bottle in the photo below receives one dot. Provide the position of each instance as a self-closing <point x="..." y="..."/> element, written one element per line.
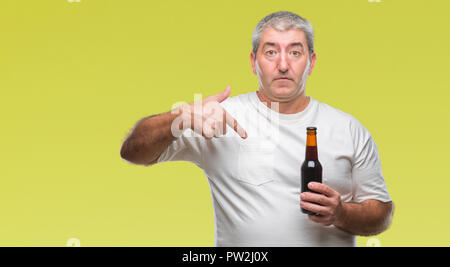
<point x="311" y="168"/>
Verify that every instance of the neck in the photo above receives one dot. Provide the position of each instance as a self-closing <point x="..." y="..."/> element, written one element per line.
<point x="298" y="104"/>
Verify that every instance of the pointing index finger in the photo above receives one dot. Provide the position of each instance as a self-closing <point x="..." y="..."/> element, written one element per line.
<point x="232" y="122"/>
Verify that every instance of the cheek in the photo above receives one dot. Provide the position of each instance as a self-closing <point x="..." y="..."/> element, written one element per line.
<point x="269" y="72"/>
<point x="299" y="73"/>
<point x="262" y="71"/>
<point x="266" y="67"/>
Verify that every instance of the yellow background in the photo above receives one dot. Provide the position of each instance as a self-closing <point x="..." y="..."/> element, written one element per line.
<point x="75" y="77"/>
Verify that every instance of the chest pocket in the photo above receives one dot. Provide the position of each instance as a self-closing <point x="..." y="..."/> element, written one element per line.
<point x="256" y="163"/>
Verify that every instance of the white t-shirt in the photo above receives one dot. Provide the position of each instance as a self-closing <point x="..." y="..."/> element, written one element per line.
<point x="255" y="182"/>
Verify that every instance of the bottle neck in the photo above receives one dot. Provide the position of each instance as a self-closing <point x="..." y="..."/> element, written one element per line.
<point x="311" y="147"/>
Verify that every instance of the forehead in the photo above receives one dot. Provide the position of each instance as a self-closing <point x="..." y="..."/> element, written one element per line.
<point x="283" y="38"/>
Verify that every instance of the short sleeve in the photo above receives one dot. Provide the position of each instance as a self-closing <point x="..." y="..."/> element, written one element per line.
<point x="367" y="177"/>
<point x="187" y="147"/>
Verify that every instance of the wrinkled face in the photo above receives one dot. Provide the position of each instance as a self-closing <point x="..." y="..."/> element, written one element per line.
<point x="282" y="63"/>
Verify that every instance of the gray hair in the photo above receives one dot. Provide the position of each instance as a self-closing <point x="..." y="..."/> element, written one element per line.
<point x="283" y="21"/>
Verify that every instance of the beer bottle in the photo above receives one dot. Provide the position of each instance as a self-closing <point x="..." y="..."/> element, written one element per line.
<point x="311" y="168"/>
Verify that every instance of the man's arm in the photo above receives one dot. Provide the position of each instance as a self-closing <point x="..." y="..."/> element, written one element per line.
<point x="369" y="217"/>
<point x="151" y="136"/>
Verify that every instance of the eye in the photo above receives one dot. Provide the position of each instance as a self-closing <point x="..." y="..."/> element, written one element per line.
<point x="296" y="53"/>
<point x="270" y="52"/>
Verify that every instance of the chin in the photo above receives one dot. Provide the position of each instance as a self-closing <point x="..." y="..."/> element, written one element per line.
<point x="282" y="92"/>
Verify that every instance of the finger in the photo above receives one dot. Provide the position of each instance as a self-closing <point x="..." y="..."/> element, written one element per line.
<point x="198" y="125"/>
<point x="209" y="123"/>
<point x="316" y="198"/>
<point x="217" y="126"/>
<point x="220" y="97"/>
<point x="224" y="127"/>
<point x="322" y="188"/>
<point x="207" y="130"/>
<point x="232" y="122"/>
<point x="208" y="134"/>
<point x="314" y="208"/>
<point x="319" y="219"/>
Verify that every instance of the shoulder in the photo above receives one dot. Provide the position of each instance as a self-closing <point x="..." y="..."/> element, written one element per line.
<point x="333" y="113"/>
<point x="339" y="118"/>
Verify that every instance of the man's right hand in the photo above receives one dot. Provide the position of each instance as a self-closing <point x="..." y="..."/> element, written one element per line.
<point x="208" y="118"/>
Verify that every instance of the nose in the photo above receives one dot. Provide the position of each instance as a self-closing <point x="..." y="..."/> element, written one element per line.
<point x="283" y="65"/>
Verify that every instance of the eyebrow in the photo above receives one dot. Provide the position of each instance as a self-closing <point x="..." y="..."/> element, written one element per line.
<point x="291" y="44"/>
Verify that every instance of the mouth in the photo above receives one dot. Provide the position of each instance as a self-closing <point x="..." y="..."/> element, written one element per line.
<point x="282" y="79"/>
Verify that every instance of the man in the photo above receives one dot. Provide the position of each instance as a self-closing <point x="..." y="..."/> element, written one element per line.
<point x="251" y="148"/>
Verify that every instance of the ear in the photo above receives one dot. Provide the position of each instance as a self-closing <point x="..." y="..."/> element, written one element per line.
<point x="313" y="62"/>
<point x="252" y="61"/>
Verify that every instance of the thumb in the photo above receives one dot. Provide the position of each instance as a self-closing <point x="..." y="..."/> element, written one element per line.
<point x="220" y="97"/>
